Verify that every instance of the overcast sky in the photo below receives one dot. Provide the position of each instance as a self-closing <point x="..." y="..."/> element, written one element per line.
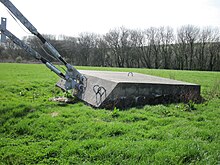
<point x="71" y="17"/>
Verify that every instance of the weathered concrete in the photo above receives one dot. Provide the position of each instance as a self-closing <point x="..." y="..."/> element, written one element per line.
<point x="121" y="89"/>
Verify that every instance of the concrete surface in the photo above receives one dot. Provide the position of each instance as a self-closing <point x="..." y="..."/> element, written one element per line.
<point x="107" y="89"/>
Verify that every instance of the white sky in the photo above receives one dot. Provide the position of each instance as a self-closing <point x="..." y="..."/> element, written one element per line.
<point x="71" y="17"/>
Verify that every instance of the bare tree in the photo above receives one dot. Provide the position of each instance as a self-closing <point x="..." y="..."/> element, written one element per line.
<point x="118" y="42"/>
<point x="205" y="37"/>
<point x="192" y="34"/>
<point x="187" y="37"/>
<point x="87" y="43"/>
<point x="1" y="50"/>
<point x="213" y="58"/>
<point x="153" y="46"/>
<point x="100" y="52"/>
<point x="189" y="48"/>
<point x="125" y="47"/>
<point x="112" y="40"/>
<point x="68" y="48"/>
<point x="166" y="37"/>
<point x="181" y="49"/>
<point x="137" y="41"/>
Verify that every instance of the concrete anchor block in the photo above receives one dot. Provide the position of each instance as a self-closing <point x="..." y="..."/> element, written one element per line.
<point x="105" y="89"/>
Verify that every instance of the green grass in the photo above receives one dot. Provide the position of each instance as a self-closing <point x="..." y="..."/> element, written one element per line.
<point x="34" y="130"/>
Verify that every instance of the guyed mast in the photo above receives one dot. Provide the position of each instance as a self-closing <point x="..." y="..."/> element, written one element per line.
<point x="73" y="78"/>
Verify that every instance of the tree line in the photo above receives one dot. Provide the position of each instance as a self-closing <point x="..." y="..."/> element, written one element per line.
<point x="189" y="48"/>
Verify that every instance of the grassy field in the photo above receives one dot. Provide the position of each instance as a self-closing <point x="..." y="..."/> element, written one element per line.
<point x="34" y="130"/>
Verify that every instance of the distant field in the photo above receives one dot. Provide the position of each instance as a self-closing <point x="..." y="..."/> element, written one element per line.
<point x="34" y="130"/>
